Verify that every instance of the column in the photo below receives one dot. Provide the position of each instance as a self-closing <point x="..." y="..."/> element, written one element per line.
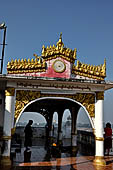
<point x="73" y="131"/>
<point x="60" y="114"/>
<point x="99" y="138"/>
<point x="8" y="123"/>
<point x="2" y="108"/>
<point x="50" y="127"/>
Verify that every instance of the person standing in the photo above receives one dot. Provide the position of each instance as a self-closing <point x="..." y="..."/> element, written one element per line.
<point x="108" y="138"/>
<point x="28" y="135"/>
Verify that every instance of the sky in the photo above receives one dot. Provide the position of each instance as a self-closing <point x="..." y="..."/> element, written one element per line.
<point x="38" y="118"/>
<point x="85" y="24"/>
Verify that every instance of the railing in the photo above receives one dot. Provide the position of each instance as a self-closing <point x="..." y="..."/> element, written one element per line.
<point x="1" y="142"/>
<point x="86" y="142"/>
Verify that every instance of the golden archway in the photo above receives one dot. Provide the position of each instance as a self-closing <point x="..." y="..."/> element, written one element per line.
<point x="24" y="97"/>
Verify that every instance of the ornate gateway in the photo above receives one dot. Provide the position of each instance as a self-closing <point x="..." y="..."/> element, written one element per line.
<point x="56" y="62"/>
<point x="53" y="82"/>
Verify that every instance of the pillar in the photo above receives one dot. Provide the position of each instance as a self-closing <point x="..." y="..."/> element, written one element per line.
<point x="2" y="107"/>
<point x="50" y="126"/>
<point x="99" y="138"/>
<point x="8" y="123"/>
<point x="60" y="114"/>
<point x="73" y="130"/>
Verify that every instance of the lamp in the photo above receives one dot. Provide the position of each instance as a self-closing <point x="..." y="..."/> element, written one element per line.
<point x="2" y="26"/>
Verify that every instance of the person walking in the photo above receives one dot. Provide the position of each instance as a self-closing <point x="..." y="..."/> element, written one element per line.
<point x="108" y="138"/>
<point x="28" y="135"/>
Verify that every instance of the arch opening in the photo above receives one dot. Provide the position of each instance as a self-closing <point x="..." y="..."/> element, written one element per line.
<point x="43" y="101"/>
<point x="49" y="108"/>
<point x="66" y="128"/>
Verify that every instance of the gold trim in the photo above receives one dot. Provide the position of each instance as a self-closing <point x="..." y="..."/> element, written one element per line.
<point x="56" y="56"/>
<point x="6" y="137"/>
<point x="10" y="91"/>
<point x="100" y="95"/>
<point x="39" y="63"/>
<point x="24" y="97"/>
<point x="99" y="160"/>
<point x="26" y="66"/>
<point x="96" y="72"/>
<point x="13" y="130"/>
<point x="5" y="157"/>
<point x="99" y="138"/>
<point x="55" y="69"/>
<point x="5" y="161"/>
<point x="67" y="53"/>
<point x="94" y="131"/>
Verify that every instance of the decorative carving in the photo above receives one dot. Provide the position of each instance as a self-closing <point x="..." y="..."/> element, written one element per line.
<point x="26" y="66"/>
<point x="100" y="95"/>
<point x="39" y="64"/>
<point x="59" y="51"/>
<point x="10" y="91"/>
<point x="87" y="100"/>
<point x="24" y="97"/>
<point x="53" y="52"/>
<point x="95" y="72"/>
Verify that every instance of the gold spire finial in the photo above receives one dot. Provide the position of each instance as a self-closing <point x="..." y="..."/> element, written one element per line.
<point x="60" y="43"/>
<point x="61" y="35"/>
<point x="35" y="55"/>
<point x="105" y="61"/>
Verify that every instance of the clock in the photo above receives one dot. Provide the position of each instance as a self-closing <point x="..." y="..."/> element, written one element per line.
<point x="59" y="66"/>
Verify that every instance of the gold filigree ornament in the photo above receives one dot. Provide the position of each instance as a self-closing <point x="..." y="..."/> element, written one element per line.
<point x="96" y="72"/>
<point x="91" y="109"/>
<point x="88" y="101"/>
<point x="10" y="91"/>
<point x="26" y="66"/>
<point x="18" y="108"/>
<point x="100" y="95"/>
<point x="53" y="52"/>
<point x="23" y="98"/>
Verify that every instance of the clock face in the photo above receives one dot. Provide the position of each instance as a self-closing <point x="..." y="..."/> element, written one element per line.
<point x="59" y="66"/>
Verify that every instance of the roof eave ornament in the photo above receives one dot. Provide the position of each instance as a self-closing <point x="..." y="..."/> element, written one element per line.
<point x="60" y="44"/>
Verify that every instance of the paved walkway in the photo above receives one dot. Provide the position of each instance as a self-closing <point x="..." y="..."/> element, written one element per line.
<point x="42" y="159"/>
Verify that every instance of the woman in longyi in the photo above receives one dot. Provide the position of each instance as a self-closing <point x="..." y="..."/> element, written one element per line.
<point x="107" y="138"/>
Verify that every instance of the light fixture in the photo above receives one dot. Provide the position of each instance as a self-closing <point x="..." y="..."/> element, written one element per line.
<point x="2" y="25"/>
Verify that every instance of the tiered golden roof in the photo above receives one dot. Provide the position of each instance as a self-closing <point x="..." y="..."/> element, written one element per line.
<point x="59" y="50"/>
<point x="90" y="71"/>
<point x="39" y="63"/>
<point x="26" y="66"/>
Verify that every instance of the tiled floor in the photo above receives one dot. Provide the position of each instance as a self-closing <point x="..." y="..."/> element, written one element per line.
<point x="44" y="159"/>
<point x="41" y="159"/>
